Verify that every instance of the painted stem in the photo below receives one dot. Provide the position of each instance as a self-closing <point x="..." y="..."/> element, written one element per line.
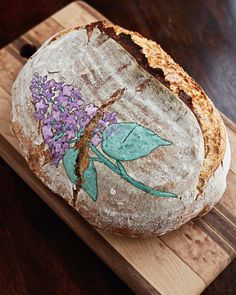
<point x="122" y="173"/>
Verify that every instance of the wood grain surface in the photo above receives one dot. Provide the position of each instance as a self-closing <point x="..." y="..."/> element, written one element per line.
<point x="209" y="243"/>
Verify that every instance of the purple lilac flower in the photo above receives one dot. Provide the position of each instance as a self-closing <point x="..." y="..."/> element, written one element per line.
<point x="108" y="118"/>
<point x="63" y="115"/>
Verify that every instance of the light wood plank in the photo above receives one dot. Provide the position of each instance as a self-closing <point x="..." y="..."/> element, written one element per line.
<point x="232" y="140"/>
<point x="160" y="266"/>
<point x="39" y="34"/>
<point x="228" y="123"/>
<point x="5" y="117"/>
<point x="228" y="201"/>
<point x="9" y="68"/>
<point x="77" y="14"/>
<point x="201" y="252"/>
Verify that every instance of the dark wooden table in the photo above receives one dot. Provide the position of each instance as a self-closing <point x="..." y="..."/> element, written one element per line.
<point x="39" y="254"/>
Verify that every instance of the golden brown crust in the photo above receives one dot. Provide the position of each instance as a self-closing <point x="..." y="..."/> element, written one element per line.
<point x="180" y="83"/>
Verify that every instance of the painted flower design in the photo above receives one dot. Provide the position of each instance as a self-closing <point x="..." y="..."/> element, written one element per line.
<point x="63" y="116"/>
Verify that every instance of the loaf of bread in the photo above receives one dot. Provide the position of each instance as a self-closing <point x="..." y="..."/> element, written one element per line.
<point x="108" y="121"/>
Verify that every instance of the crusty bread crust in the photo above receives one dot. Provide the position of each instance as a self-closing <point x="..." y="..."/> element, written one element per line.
<point x="215" y="165"/>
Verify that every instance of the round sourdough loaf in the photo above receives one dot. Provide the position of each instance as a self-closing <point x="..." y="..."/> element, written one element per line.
<point x="108" y="121"/>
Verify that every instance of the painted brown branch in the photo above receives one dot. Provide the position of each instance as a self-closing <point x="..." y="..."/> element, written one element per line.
<point x="82" y="161"/>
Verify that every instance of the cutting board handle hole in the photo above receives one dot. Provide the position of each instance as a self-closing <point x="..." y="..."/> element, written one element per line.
<point x="27" y="50"/>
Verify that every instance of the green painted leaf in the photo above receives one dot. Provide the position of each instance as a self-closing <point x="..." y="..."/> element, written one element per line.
<point x="90" y="181"/>
<point x="130" y="141"/>
<point x="69" y="161"/>
<point x="89" y="175"/>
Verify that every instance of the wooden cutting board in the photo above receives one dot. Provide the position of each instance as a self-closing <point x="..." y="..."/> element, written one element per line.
<point x="182" y="262"/>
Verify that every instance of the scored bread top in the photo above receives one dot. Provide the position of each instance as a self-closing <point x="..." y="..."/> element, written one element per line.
<point x="180" y="83"/>
<point x="156" y="61"/>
